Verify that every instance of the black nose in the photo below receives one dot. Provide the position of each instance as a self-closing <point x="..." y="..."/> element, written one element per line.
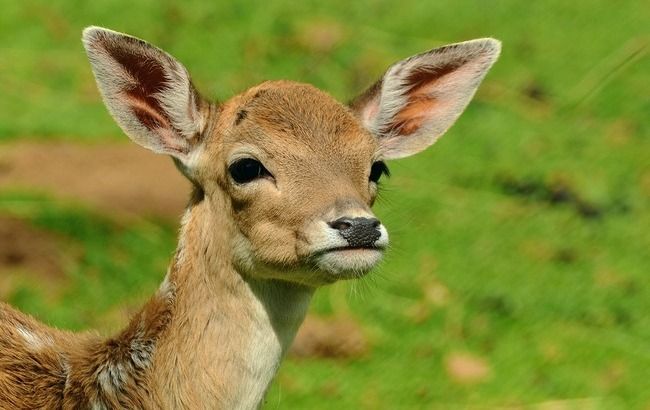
<point x="359" y="232"/>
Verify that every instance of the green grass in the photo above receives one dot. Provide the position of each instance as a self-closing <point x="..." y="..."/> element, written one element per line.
<point x="552" y="294"/>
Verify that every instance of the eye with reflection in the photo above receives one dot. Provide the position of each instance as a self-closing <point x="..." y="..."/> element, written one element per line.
<point x="247" y="170"/>
<point x="378" y="169"/>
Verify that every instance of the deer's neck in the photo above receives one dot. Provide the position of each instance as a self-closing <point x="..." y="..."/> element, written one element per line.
<point x="228" y="332"/>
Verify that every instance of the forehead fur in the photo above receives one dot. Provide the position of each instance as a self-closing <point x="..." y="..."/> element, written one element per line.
<point x="299" y="112"/>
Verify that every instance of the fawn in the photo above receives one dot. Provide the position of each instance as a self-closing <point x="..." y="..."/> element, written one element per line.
<point x="283" y="180"/>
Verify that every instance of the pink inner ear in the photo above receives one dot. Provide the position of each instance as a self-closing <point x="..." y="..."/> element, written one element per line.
<point x="426" y="76"/>
<point x="413" y="116"/>
<point x="149" y="80"/>
<point x="424" y="103"/>
<point x="146" y="114"/>
<point x="371" y="110"/>
<point x="147" y="72"/>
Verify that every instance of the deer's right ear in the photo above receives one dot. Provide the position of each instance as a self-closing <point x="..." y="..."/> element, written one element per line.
<point x="148" y="93"/>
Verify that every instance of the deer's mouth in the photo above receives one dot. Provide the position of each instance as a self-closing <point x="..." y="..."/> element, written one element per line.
<point x="347" y="262"/>
<point x="351" y="248"/>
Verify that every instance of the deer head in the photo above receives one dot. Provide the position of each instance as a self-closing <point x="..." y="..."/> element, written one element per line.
<point x="290" y="172"/>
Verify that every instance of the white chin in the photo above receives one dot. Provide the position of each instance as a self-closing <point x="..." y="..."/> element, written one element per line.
<point x="349" y="263"/>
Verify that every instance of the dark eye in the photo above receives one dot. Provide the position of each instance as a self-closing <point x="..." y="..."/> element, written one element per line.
<point x="246" y="170"/>
<point x="378" y="169"/>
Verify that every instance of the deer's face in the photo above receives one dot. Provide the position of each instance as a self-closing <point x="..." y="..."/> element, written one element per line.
<point x="301" y="174"/>
<point x="295" y="171"/>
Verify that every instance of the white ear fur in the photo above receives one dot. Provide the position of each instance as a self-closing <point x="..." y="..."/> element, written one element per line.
<point x="419" y="98"/>
<point x="148" y="92"/>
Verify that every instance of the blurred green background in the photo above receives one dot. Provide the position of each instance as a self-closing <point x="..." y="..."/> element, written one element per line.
<point x="519" y="272"/>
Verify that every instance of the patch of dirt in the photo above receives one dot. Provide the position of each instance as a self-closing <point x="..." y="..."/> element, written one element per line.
<point x="25" y="250"/>
<point x="114" y="178"/>
<point x="465" y="368"/>
<point x="333" y="338"/>
<point x="24" y="247"/>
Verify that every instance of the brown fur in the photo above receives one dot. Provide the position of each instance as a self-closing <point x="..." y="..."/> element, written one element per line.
<point x="63" y="370"/>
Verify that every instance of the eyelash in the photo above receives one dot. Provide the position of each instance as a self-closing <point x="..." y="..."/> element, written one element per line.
<point x="378" y="169"/>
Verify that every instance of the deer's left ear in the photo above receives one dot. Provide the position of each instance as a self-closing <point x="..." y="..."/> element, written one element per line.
<point x="419" y="98"/>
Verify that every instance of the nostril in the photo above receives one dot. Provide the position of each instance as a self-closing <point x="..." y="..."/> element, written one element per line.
<point x="358" y="232"/>
<point x="341" y="224"/>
